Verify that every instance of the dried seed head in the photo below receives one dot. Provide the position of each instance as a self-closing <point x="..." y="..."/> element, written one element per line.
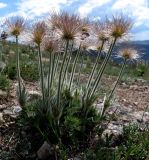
<point x="38" y="32"/>
<point x="120" y="25"/>
<point x="102" y="31"/>
<point x="67" y="26"/>
<point x="50" y="45"/>
<point x="129" y="54"/>
<point x="16" y="25"/>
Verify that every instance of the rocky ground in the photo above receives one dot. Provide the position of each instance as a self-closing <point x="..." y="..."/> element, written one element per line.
<point x="131" y="105"/>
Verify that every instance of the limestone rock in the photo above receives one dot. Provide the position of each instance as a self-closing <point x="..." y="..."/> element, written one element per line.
<point x="114" y="129"/>
<point x="12" y="111"/>
<point x="3" y="93"/>
<point x="44" y="151"/>
<point x="2" y="106"/>
<point x="1" y="118"/>
<point x="33" y="95"/>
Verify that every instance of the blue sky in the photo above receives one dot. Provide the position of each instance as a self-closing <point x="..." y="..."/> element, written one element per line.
<point x="138" y="10"/>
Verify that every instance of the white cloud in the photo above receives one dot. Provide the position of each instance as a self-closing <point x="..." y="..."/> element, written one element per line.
<point x="33" y="8"/>
<point x="87" y="8"/>
<point x="121" y="4"/>
<point x="3" y="5"/>
<point x="139" y="9"/>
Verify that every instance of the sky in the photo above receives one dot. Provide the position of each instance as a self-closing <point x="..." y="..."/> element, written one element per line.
<point x="138" y="10"/>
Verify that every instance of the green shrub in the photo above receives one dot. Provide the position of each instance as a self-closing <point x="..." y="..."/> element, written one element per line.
<point x="29" y="71"/>
<point x="4" y="83"/>
<point x="135" y="143"/>
<point x="140" y="70"/>
<point x="11" y="71"/>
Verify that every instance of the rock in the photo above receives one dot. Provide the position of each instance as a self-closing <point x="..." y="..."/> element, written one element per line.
<point x="33" y="95"/>
<point x="8" y="112"/>
<point x="2" y="106"/>
<point x="114" y="129"/>
<point x="1" y="118"/>
<point x="135" y="103"/>
<point x="16" y="109"/>
<point x="44" y="151"/>
<point x="13" y="111"/>
<point x="141" y="116"/>
<point x="3" y="93"/>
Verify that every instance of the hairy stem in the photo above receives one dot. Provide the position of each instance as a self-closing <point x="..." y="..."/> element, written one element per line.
<point x="119" y="77"/>
<point x="74" y="67"/>
<point x="49" y="72"/>
<point x="94" y="69"/>
<point x="52" y="70"/>
<point x="67" y="64"/>
<point x="18" y="66"/>
<point x="81" y="67"/>
<point x="60" y="74"/>
<point x="102" y="68"/>
<point x="56" y="64"/>
<point x="41" y="72"/>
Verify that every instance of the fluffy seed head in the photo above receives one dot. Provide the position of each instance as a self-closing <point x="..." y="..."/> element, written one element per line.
<point x="129" y="54"/>
<point x="102" y="31"/>
<point x="38" y="32"/>
<point x="120" y="25"/>
<point x="67" y="26"/>
<point x="16" y="25"/>
<point x="50" y="45"/>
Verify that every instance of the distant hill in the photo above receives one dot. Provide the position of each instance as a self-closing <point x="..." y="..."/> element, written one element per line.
<point x="141" y="46"/>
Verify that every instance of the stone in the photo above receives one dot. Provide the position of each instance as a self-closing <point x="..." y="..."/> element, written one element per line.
<point x="33" y="95"/>
<point x="2" y="106"/>
<point x="114" y="129"/>
<point x="3" y="93"/>
<point x="44" y="151"/>
<point x="1" y="118"/>
<point x="141" y="116"/>
<point x="13" y="111"/>
<point x="16" y="109"/>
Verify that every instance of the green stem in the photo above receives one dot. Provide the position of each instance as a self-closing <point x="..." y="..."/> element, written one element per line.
<point x="81" y="67"/>
<point x="56" y="65"/>
<point x="119" y="77"/>
<point x="49" y="72"/>
<point x="41" y="72"/>
<point x="60" y="74"/>
<point x="74" y="67"/>
<point x="67" y="64"/>
<point x="1" y="57"/>
<point x="52" y="68"/>
<point x="94" y="69"/>
<point x="18" y="66"/>
<point x="102" y="68"/>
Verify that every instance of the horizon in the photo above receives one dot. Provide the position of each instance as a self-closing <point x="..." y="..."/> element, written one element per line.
<point x="94" y="9"/>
